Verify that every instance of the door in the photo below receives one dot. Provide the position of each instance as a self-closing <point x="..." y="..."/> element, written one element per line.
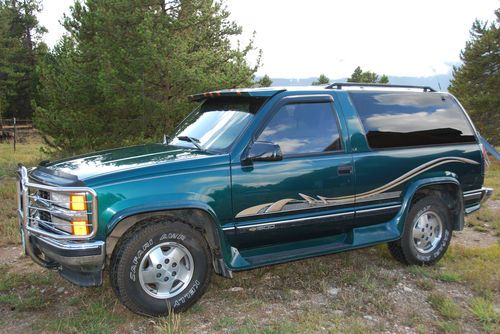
<point x="309" y="193"/>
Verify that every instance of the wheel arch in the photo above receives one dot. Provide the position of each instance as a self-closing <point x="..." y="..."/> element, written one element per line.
<point x="448" y="189"/>
<point x="199" y="218"/>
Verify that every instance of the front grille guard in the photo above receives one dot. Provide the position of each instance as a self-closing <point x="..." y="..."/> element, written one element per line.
<point x="26" y="221"/>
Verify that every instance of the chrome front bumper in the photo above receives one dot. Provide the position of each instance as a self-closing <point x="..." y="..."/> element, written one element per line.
<point x="78" y="258"/>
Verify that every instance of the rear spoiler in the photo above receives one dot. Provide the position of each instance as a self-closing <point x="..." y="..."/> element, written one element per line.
<point x="255" y="92"/>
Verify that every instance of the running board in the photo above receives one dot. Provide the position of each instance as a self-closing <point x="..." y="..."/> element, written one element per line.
<point x="279" y="253"/>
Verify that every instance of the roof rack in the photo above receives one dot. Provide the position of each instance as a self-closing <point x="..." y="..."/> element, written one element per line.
<point x="339" y="85"/>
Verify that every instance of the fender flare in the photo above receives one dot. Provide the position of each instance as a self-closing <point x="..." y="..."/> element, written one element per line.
<point x="414" y="187"/>
<point x="206" y="222"/>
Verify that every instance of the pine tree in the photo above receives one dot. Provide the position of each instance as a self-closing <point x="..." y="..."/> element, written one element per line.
<point x="123" y="73"/>
<point x="265" y="81"/>
<point x="20" y="51"/>
<point x="476" y="83"/>
<point x="367" y="77"/>
<point x="322" y="80"/>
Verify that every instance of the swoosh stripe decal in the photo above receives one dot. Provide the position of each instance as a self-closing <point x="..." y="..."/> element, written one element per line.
<point x="345" y="199"/>
<point x="278" y="206"/>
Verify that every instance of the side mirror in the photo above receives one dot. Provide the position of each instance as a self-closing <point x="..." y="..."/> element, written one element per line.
<point x="264" y="151"/>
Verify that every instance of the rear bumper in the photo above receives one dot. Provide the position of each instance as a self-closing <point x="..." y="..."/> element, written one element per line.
<point x="476" y="198"/>
<point x="486" y="193"/>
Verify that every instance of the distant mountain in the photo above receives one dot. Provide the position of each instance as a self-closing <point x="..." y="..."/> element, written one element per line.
<point x="438" y="82"/>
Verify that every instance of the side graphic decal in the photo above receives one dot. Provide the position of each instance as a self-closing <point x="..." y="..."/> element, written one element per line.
<point x="309" y="202"/>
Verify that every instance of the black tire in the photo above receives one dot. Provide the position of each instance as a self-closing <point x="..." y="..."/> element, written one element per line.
<point x="134" y="246"/>
<point x="404" y="250"/>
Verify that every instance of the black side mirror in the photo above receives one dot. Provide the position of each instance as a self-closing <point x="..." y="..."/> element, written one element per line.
<point x="264" y="151"/>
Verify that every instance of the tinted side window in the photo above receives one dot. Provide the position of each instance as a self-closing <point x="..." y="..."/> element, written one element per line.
<point x="399" y="119"/>
<point x="303" y="128"/>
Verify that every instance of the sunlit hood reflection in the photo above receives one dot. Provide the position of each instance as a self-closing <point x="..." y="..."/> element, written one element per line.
<point x="105" y="162"/>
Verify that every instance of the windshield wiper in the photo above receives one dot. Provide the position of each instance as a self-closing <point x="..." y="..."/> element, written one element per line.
<point x="192" y="140"/>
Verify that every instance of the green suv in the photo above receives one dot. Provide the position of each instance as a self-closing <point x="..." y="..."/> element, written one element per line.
<point x="255" y="177"/>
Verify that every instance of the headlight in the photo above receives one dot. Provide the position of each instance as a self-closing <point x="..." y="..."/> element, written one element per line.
<point x="74" y="202"/>
<point x="60" y="199"/>
<point x="62" y="224"/>
<point x="76" y="225"/>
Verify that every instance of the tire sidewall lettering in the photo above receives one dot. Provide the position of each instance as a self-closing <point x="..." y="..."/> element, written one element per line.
<point x="136" y="260"/>
<point x="443" y="243"/>
<point x="187" y="295"/>
<point x="172" y="236"/>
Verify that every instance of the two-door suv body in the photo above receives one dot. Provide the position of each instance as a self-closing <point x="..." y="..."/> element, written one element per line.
<point x="255" y="177"/>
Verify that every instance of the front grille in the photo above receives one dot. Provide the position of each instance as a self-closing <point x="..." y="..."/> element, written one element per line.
<point x="43" y="194"/>
<point x="45" y="216"/>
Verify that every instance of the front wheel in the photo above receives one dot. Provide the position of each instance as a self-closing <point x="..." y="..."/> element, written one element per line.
<point x="427" y="233"/>
<point x="160" y="266"/>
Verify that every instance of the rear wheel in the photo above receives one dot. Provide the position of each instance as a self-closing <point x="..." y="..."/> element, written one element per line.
<point x="160" y="266"/>
<point x="426" y="235"/>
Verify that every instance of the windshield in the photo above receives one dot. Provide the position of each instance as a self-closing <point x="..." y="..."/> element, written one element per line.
<point x="216" y="123"/>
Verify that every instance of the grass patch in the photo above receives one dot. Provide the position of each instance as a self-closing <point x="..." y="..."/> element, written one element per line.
<point x="250" y="326"/>
<point x="449" y="326"/>
<point x="421" y="271"/>
<point x="484" y="220"/>
<point x="480" y="228"/>
<point x="172" y="324"/>
<point x="445" y="306"/>
<point x="449" y="276"/>
<point x="9" y="226"/>
<point x="9" y="280"/>
<point x="28" y="154"/>
<point x="476" y="266"/>
<point x="425" y="284"/>
<point x="224" y="323"/>
<point x="485" y="313"/>
<point x="97" y="316"/>
<point x="33" y="300"/>
<point x="492" y="178"/>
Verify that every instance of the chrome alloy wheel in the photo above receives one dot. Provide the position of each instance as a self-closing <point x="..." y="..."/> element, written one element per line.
<point x="166" y="270"/>
<point x="427" y="232"/>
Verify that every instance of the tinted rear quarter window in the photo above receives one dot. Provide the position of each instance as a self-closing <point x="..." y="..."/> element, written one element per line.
<point x="405" y="119"/>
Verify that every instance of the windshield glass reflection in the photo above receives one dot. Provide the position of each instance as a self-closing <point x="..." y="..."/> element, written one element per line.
<point x="216" y="123"/>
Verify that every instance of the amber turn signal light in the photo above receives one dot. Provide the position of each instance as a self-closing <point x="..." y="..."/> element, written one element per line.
<point x="80" y="227"/>
<point x="78" y="202"/>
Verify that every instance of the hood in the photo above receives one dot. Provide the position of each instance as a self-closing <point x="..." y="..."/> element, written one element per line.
<point x="116" y="160"/>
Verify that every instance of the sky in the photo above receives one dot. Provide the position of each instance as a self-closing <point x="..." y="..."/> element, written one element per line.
<point x="301" y="39"/>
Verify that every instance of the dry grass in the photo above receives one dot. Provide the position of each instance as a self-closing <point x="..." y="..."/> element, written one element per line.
<point x="493" y="177"/>
<point x="445" y="305"/>
<point x="477" y="266"/>
<point x="172" y="324"/>
<point x="28" y="154"/>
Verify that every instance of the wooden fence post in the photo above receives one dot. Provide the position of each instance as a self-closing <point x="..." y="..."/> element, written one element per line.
<point x="15" y="134"/>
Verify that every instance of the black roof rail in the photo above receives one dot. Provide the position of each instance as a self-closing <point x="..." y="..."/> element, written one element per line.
<point x="339" y="85"/>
